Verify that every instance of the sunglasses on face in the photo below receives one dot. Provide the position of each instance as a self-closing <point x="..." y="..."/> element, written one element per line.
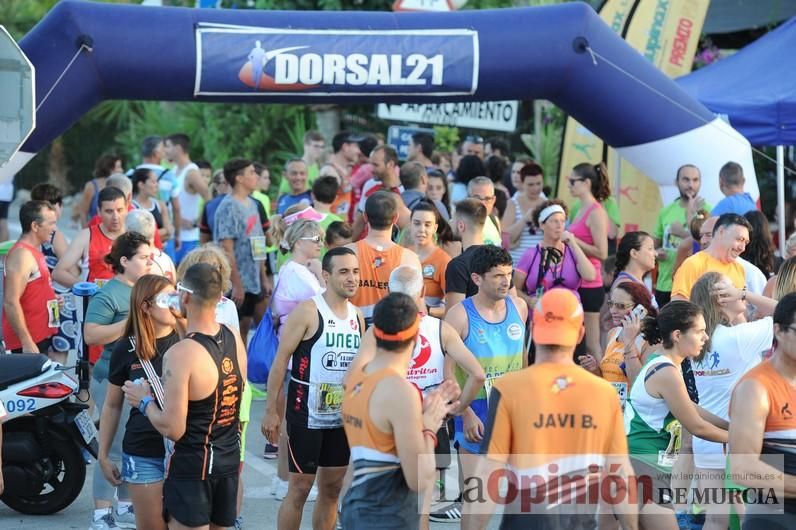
<point x="314" y="239"/>
<point x="474" y="139"/>
<point x="617" y="305"/>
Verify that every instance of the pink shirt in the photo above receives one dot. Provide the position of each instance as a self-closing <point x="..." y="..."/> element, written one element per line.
<point x="580" y="230"/>
<point x="296" y="283"/>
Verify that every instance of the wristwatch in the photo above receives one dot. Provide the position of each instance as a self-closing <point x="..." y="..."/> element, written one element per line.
<point x="146" y="400"/>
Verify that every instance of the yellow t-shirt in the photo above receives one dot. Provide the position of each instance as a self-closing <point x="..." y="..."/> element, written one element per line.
<point x="694" y="267"/>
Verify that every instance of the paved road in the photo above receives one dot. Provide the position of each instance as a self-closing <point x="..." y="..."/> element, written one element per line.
<point x="259" y="508"/>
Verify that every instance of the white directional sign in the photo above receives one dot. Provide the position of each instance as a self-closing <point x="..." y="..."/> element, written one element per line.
<point x="489" y="115"/>
<point x="17" y="98"/>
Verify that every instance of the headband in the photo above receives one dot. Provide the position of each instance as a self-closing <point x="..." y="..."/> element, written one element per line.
<point x="309" y="213"/>
<point x="406" y="334"/>
<point x="550" y="210"/>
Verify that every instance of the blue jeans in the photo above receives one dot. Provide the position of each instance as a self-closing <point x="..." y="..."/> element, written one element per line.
<point x="142" y="469"/>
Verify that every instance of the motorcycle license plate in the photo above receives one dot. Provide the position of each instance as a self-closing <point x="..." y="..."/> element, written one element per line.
<point x="86" y="426"/>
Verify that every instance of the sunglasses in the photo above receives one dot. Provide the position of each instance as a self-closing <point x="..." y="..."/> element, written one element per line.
<point x="617" y="305"/>
<point x="314" y="239"/>
<point x="572" y="181"/>
<point x="181" y="287"/>
<point x="474" y="139"/>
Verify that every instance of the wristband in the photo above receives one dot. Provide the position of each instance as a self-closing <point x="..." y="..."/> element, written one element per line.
<point x="146" y="400"/>
<point x="432" y="434"/>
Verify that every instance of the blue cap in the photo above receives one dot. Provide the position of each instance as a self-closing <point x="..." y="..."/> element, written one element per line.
<point x="84" y="289"/>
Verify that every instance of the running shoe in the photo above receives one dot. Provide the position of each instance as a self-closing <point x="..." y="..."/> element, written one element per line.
<point x="126" y="519"/>
<point x="106" y="522"/>
<point x="270" y="452"/>
<point x="278" y="488"/>
<point x="238" y="525"/>
<point x="683" y="520"/>
<point x="451" y="513"/>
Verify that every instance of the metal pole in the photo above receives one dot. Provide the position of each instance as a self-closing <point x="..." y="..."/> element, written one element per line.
<point x="781" y="197"/>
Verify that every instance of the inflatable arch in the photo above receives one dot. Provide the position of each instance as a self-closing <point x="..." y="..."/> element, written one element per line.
<point x="562" y="53"/>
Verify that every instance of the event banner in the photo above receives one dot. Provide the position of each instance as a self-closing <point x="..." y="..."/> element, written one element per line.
<point x="490" y="115"/>
<point x="244" y="61"/>
<point x="666" y="32"/>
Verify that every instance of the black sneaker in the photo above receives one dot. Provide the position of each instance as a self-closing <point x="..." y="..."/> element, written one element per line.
<point x="270" y="451"/>
<point x="451" y="513"/>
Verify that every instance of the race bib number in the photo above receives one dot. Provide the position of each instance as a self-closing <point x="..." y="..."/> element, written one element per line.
<point x="259" y="251"/>
<point x="328" y="398"/>
<point x="621" y="391"/>
<point x="670" y="241"/>
<point x="53" y="313"/>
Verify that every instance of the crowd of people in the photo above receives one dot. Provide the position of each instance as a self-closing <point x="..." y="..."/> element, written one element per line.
<point x="422" y="310"/>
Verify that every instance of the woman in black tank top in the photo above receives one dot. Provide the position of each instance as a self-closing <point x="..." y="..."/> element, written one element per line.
<point x="145" y="193"/>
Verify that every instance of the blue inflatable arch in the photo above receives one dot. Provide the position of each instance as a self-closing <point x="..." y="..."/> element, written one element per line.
<point x="181" y="54"/>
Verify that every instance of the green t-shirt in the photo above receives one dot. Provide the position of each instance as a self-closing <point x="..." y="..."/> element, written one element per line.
<point x="611" y="208"/>
<point x="264" y="199"/>
<point x="312" y="173"/>
<point x="674" y="213"/>
<point x="110" y="305"/>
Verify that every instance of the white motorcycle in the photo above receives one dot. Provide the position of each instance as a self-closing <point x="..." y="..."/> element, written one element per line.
<point x="43" y="434"/>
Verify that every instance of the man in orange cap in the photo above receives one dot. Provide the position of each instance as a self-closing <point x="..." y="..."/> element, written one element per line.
<point x="552" y="422"/>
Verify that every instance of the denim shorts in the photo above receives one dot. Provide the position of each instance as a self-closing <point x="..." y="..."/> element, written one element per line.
<point x="142" y="469"/>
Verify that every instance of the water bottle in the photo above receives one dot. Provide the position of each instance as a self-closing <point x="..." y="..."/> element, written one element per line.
<point x="170" y="301"/>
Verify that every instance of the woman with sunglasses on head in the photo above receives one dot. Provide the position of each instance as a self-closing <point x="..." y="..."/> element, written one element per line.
<point x="149" y="333"/>
<point x="589" y="184"/>
<point x="556" y="261"/>
<point x="427" y="231"/>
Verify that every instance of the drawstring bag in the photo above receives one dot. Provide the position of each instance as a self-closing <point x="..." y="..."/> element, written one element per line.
<point x="262" y="350"/>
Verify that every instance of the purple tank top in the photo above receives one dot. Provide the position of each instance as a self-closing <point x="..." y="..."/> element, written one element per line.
<point x="563" y="275"/>
<point x="580" y="230"/>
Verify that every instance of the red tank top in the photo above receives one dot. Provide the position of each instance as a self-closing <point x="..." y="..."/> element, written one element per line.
<point x="38" y="300"/>
<point x="99" y="246"/>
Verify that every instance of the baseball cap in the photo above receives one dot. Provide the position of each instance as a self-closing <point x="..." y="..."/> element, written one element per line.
<point x="557" y="318"/>
<point x="308" y="213"/>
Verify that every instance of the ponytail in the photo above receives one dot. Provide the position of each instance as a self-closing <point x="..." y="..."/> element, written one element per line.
<point x="598" y="176"/>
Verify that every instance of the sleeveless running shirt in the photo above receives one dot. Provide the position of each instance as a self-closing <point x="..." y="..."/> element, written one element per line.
<point x="428" y="359"/>
<point x="155" y="211"/>
<point x="582" y="231"/>
<point x="781" y="419"/>
<point x="498" y="347"/>
<point x="99" y="246"/>
<point x="315" y="391"/>
<point x="211" y="443"/>
<point x="653" y="433"/>
<point x="379" y="496"/>
<point x="190" y="204"/>
<point x="374" y="275"/>
<point x="38" y="301"/>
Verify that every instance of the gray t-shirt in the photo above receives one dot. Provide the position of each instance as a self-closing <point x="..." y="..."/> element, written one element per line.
<point x="110" y="305"/>
<point x="241" y="222"/>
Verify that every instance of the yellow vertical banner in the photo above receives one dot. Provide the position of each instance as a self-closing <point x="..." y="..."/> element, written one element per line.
<point x="666" y="32"/>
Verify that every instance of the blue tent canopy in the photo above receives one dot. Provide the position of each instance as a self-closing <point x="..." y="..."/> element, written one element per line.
<point x="755" y="88"/>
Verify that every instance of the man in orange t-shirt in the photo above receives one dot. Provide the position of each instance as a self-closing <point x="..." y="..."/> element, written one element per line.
<point x="555" y="420"/>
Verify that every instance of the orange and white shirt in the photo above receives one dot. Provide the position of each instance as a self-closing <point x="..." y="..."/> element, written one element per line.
<point x="433" y="268"/>
<point x="781" y="419"/>
<point x="375" y="266"/>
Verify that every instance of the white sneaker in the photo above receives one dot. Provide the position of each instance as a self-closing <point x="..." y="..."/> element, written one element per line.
<point x="126" y="519"/>
<point x="313" y="495"/>
<point x="106" y="522"/>
<point x="278" y="488"/>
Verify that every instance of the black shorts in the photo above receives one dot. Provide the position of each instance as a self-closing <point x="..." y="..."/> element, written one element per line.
<point x="591" y="298"/>
<point x="663" y="297"/>
<point x="44" y="346"/>
<point x="193" y="502"/>
<point x="309" y="449"/>
<point x="250" y="300"/>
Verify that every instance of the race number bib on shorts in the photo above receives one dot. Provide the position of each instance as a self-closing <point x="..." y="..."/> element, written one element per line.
<point x="259" y="251"/>
<point x="53" y="314"/>
<point x="328" y="398"/>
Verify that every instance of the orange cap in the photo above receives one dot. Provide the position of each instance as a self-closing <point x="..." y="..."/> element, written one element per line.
<point x="557" y="318"/>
